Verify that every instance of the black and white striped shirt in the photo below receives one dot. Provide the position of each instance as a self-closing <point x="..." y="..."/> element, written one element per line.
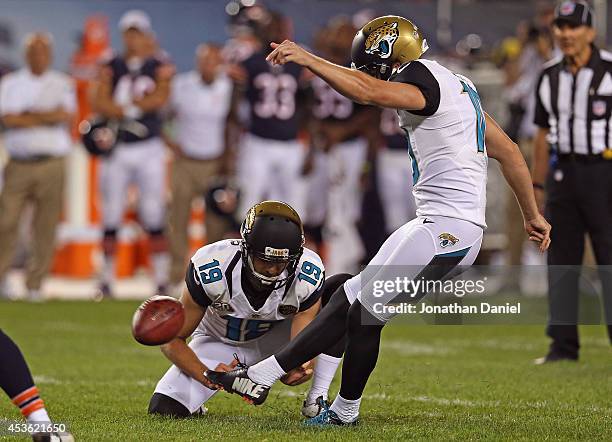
<point x="577" y="108"/>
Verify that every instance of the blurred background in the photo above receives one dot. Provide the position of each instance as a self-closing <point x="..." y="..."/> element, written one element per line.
<point x="494" y="42"/>
<point x="182" y="24"/>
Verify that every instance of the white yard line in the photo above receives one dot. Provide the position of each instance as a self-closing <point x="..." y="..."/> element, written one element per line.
<point x="412" y="348"/>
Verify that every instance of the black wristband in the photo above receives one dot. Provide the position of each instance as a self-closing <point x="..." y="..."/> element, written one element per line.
<point x="538" y="186"/>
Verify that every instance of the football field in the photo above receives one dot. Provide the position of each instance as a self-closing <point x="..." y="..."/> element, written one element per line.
<point x="432" y="382"/>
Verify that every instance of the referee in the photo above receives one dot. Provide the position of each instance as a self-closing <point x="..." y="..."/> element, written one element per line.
<point x="573" y="162"/>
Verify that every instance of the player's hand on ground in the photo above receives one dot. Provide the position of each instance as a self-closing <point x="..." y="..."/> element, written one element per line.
<point x="538" y="230"/>
<point x="289" y="51"/>
<point x="299" y="375"/>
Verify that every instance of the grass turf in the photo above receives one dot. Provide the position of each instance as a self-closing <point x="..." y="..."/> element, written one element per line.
<point x="432" y="382"/>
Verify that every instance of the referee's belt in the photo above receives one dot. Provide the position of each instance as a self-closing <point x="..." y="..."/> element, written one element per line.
<point x="584" y="158"/>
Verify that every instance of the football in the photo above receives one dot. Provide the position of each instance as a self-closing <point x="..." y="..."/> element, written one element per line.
<point x="158" y="320"/>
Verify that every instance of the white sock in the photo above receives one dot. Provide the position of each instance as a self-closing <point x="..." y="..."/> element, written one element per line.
<point x="160" y="263"/>
<point x="324" y="372"/>
<point x="266" y="372"/>
<point x="108" y="269"/>
<point x="347" y="410"/>
<point x="38" y="416"/>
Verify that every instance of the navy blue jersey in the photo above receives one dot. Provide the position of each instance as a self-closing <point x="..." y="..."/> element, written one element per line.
<point x="273" y="93"/>
<point x="330" y="106"/>
<point x="132" y="83"/>
<point x="395" y="138"/>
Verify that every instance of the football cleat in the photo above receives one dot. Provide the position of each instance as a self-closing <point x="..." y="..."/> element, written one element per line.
<point x="312" y="409"/>
<point x="202" y="411"/>
<point x="238" y="381"/>
<point x="328" y="417"/>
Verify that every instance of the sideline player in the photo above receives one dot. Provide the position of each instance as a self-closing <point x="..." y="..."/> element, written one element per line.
<point x="16" y="381"/>
<point x="199" y="103"/>
<point x="245" y="299"/>
<point x="445" y="124"/>
<point x="133" y="87"/>
<point x="340" y="125"/>
<point x="271" y="156"/>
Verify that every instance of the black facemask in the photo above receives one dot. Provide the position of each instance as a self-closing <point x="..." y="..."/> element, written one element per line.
<point x="381" y="71"/>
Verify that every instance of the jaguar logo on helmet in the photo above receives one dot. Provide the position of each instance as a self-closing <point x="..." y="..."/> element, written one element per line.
<point x="381" y="40"/>
<point x="247" y="226"/>
<point x="386" y="44"/>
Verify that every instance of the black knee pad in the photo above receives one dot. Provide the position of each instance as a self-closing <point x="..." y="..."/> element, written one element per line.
<point x="332" y="284"/>
<point x="166" y="406"/>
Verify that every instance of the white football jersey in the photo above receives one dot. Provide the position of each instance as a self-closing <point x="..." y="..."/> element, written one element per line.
<point x="229" y="316"/>
<point x="447" y="144"/>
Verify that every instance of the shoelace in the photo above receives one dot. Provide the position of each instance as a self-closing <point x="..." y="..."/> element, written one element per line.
<point x="240" y="364"/>
<point x="323" y="403"/>
<point x="322" y="418"/>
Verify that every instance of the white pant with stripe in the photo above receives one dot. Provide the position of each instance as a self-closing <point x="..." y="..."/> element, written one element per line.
<point x="415" y="246"/>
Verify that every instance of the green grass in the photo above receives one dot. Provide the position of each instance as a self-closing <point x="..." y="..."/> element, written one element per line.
<point x="432" y="382"/>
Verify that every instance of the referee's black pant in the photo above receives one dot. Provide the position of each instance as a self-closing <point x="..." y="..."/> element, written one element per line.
<point x="579" y="201"/>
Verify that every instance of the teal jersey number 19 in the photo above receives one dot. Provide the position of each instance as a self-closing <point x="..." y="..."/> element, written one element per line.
<point x="309" y="273"/>
<point x="210" y="272"/>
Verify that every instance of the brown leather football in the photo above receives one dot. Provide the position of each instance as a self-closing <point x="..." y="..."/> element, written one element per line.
<point x="158" y="320"/>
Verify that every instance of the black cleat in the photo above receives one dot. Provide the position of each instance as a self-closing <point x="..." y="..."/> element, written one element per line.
<point x="554" y="357"/>
<point x="238" y="381"/>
